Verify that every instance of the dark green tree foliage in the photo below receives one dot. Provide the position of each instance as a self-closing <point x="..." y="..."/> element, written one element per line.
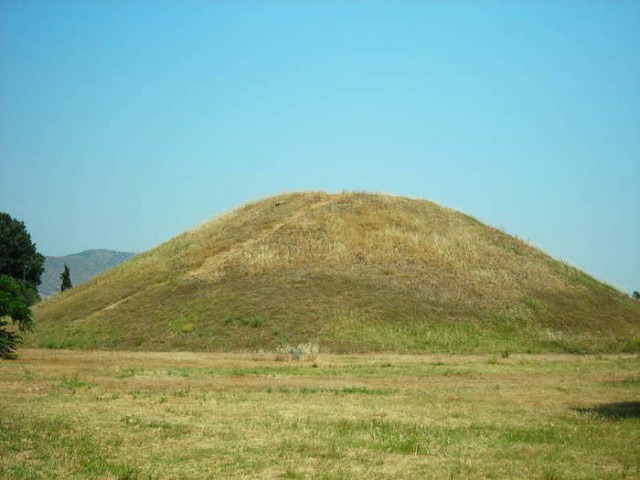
<point x="14" y="307"/>
<point x="636" y="295"/>
<point x="19" y="258"/>
<point x="65" y="277"/>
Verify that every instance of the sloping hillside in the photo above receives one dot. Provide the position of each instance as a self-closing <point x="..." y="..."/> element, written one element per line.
<point x="351" y="272"/>
<point x="82" y="266"/>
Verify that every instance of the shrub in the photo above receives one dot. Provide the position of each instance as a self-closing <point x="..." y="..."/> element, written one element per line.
<point x="633" y="346"/>
<point x="8" y="341"/>
<point x="187" y="328"/>
<point x="13" y="306"/>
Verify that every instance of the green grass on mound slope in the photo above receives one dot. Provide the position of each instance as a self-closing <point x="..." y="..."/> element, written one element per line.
<point x="350" y="272"/>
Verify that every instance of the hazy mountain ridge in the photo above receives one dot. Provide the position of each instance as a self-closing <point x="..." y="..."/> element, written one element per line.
<point x="83" y="266"/>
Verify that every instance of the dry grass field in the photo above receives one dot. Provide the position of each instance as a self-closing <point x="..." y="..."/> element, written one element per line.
<point x="139" y="415"/>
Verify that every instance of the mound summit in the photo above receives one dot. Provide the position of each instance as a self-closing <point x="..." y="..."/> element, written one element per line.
<point x="350" y="272"/>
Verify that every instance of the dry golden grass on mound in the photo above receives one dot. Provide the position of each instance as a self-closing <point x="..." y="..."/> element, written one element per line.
<point x="300" y="260"/>
<point x="352" y="232"/>
<point x="401" y="238"/>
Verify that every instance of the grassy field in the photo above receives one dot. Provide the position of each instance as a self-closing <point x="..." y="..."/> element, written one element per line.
<point x="134" y="415"/>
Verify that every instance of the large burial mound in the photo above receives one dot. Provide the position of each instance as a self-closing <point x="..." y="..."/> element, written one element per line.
<point x="349" y="272"/>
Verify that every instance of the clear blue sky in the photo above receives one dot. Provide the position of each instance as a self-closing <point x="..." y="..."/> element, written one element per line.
<point x="123" y="123"/>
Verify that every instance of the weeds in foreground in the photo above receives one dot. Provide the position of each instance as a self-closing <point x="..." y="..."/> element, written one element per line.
<point x="74" y="383"/>
<point x="332" y="391"/>
<point x="301" y="352"/>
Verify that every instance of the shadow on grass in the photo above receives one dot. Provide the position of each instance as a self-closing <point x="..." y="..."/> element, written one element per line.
<point x="614" y="411"/>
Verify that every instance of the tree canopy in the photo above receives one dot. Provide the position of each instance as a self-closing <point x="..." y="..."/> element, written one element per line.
<point x="19" y="258"/>
<point x="65" y="278"/>
<point x="20" y="269"/>
<point x="14" y="306"/>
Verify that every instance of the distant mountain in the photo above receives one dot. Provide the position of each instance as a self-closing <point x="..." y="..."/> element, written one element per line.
<point x="83" y="266"/>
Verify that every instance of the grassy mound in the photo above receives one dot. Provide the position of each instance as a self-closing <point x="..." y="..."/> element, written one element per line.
<point x="350" y="272"/>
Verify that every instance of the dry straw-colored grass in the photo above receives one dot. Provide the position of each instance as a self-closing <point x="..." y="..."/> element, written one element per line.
<point x="150" y="415"/>
<point x="300" y="259"/>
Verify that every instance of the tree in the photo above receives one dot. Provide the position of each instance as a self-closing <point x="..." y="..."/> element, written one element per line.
<point x="636" y="295"/>
<point x="65" y="277"/>
<point x="14" y="306"/>
<point x="19" y="258"/>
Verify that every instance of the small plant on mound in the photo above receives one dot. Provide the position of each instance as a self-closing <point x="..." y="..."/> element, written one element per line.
<point x="300" y="352"/>
<point x="230" y="318"/>
<point x="187" y="328"/>
<point x="633" y="346"/>
<point x="254" y="321"/>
